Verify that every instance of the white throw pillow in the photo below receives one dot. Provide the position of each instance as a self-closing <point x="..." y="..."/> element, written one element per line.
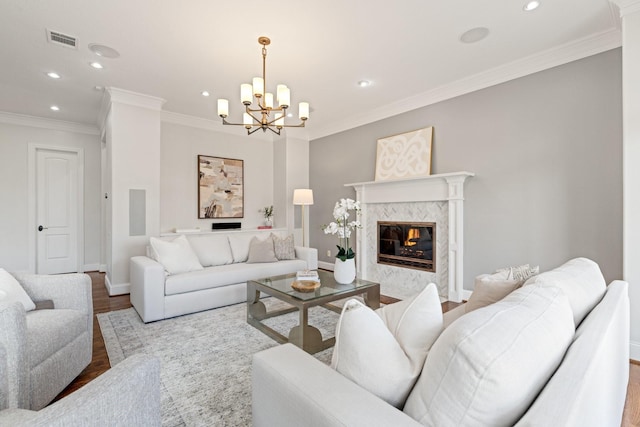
<point x="384" y="351"/>
<point x="240" y="246"/>
<point x="488" y="366"/>
<point x="175" y="256"/>
<point x="580" y="279"/>
<point x="11" y="291"/>
<point x="212" y="250"/>
<point x="261" y="251"/>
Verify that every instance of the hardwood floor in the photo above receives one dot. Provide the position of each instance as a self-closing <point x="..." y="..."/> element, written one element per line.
<point x="103" y="303"/>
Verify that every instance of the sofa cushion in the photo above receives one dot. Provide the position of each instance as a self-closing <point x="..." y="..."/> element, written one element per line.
<point x="51" y="330"/>
<point x="520" y="272"/>
<point x="230" y="274"/>
<point x="488" y="366"/>
<point x="176" y="256"/>
<point x="212" y="250"/>
<point x="580" y="279"/>
<point x="261" y="251"/>
<point x="240" y="246"/>
<point x="384" y="351"/>
<point x="11" y="291"/>
<point x="284" y="247"/>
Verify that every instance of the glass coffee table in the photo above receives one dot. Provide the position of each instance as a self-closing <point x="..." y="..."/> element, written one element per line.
<point x="304" y="335"/>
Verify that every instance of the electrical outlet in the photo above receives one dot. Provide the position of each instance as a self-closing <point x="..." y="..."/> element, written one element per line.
<point x="329" y="252"/>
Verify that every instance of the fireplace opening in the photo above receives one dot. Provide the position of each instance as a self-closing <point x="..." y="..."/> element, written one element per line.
<point x="407" y="244"/>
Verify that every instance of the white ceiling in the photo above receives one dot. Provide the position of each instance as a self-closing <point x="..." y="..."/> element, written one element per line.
<point x="409" y="50"/>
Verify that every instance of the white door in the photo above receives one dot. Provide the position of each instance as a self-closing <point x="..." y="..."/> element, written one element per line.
<point x="57" y="211"/>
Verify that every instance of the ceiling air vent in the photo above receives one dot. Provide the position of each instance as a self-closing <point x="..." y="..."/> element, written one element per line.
<point x="58" y="38"/>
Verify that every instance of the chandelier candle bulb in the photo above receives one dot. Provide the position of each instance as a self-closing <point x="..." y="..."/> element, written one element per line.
<point x="245" y="94"/>
<point x="223" y="107"/>
<point x="258" y="87"/>
<point x="268" y="100"/>
<point x="247" y="120"/>
<point x="303" y="110"/>
<point x="284" y="97"/>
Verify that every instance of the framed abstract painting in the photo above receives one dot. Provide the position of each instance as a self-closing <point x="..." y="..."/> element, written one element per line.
<point x="220" y="187"/>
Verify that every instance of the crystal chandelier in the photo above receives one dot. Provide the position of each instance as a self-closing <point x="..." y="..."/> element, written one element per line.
<point x="264" y="116"/>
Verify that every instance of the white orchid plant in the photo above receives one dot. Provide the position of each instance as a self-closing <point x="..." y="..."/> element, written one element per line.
<point x="343" y="227"/>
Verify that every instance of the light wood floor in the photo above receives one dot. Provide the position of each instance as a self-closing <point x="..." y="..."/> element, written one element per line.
<point x="102" y="303"/>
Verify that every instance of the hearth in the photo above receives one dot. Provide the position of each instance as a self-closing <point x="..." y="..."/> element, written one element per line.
<point x="407" y="244"/>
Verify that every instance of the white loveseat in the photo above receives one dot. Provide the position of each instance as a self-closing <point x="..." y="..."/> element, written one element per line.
<point x="221" y="281"/>
<point x="588" y="387"/>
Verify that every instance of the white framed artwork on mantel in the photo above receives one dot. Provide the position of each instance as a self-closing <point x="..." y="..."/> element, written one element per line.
<point x="406" y="155"/>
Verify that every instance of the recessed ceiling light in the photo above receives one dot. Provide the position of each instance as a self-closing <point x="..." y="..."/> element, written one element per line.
<point x="97" y="65"/>
<point x="289" y="114"/>
<point x="474" y="35"/>
<point x="205" y="93"/>
<point x="532" y="5"/>
<point x="364" y="83"/>
<point x="53" y="75"/>
<point x="55" y="108"/>
<point x="104" y="51"/>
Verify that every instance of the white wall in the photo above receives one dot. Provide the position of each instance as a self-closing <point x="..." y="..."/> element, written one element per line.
<point x="631" y="97"/>
<point x="14" y="226"/>
<point x="180" y="147"/>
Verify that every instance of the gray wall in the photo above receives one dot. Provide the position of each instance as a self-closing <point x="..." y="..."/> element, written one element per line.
<point x="547" y="153"/>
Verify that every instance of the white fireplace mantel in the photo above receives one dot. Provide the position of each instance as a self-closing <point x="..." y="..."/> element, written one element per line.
<point x="434" y="188"/>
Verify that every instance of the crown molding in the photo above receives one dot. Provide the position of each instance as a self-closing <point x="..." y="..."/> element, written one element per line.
<point x="559" y="55"/>
<point x="43" y="123"/>
<point x="133" y="98"/>
<point x="627" y="6"/>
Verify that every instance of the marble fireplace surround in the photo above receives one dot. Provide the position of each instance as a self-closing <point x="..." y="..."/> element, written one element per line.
<point x="438" y="198"/>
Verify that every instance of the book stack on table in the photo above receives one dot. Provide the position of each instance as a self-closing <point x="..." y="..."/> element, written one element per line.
<point x="307" y="275"/>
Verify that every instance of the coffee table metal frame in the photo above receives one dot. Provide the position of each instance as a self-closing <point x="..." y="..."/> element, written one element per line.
<point x="304" y="335"/>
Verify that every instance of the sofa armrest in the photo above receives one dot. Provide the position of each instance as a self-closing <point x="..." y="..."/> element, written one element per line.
<point x="14" y="361"/>
<point x="126" y="395"/>
<point x="72" y="291"/>
<point x="310" y="255"/>
<point x="292" y="388"/>
<point x="147" y="288"/>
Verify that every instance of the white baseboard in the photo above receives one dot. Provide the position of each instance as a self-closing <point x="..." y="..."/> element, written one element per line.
<point x="325" y="265"/>
<point x="634" y="350"/>
<point x="119" y="289"/>
<point x="466" y="294"/>
<point x="102" y="268"/>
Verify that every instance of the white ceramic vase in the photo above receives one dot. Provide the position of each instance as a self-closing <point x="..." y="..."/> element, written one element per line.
<point x="268" y="221"/>
<point x="344" y="271"/>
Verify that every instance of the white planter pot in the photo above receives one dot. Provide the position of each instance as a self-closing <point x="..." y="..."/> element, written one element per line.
<point x="344" y="271"/>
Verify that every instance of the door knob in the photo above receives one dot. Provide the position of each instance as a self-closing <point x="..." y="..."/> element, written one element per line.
<point x="40" y="228"/>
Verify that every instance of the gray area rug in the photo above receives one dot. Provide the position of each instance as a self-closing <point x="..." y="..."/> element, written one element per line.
<point x="205" y="358"/>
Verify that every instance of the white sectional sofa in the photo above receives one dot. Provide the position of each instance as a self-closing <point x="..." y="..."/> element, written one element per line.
<point x="484" y="368"/>
<point x="156" y="294"/>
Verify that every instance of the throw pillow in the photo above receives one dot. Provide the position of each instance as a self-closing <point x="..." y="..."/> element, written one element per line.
<point x="521" y="272"/>
<point x="488" y="366"/>
<point x="384" y="350"/>
<point x="284" y="248"/>
<point x="240" y="246"/>
<point x="212" y="250"/>
<point x="489" y="289"/>
<point x="11" y="291"/>
<point x="176" y="256"/>
<point x="261" y="251"/>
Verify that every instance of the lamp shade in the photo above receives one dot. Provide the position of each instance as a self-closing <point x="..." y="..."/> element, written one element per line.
<point x="303" y="196"/>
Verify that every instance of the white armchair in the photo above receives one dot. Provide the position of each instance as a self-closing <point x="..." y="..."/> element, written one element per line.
<point x="126" y="395"/>
<point x="44" y="350"/>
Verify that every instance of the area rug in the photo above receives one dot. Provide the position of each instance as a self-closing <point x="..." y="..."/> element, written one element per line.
<point x="205" y="358"/>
